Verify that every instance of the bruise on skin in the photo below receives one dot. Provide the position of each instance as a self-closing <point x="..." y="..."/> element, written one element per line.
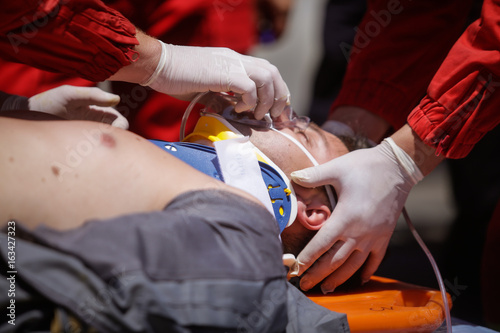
<point x="55" y="170"/>
<point x="107" y="140"/>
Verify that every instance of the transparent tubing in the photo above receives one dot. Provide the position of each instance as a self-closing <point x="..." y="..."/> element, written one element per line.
<point x="185" y="117"/>
<point x="434" y="267"/>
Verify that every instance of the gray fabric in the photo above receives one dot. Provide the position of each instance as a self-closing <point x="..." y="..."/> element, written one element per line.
<point x="306" y="316"/>
<point x="204" y="227"/>
<point x="210" y="262"/>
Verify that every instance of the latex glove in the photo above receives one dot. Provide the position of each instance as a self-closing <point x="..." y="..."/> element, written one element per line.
<point x="79" y="103"/>
<point x="372" y="186"/>
<point x="185" y="70"/>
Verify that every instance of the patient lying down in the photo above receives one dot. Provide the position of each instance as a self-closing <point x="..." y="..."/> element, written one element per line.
<point x="88" y="171"/>
<point x="60" y="174"/>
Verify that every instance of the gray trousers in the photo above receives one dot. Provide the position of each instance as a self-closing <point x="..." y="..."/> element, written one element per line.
<point x="209" y="262"/>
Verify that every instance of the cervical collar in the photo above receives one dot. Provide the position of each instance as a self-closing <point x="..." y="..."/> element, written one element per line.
<point x="214" y="128"/>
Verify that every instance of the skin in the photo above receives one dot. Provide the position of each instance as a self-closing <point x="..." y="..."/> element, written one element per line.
<point x="424" y="156"/>
<point x="375" y="128"/>
<point x="140" y="70"/>
<point x="62" y="173"/>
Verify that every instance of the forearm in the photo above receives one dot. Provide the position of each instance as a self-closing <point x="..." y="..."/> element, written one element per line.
<point x="423" y="155"/>
<point x="149" y="50"/>
<point x="462" y="101"/>
<point x="389" y="70"/>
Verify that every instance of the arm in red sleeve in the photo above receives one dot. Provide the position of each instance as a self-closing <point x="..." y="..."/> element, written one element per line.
<point x="77" y="37"/>
<point x="398" y="48"/>
<point x="463" y="101"/>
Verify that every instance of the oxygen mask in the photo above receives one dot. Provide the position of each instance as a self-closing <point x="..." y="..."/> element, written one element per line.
<point x="223" y="105"/>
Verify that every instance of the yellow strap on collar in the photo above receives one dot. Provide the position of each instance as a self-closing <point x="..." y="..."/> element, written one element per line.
<point x="211" y="129"/>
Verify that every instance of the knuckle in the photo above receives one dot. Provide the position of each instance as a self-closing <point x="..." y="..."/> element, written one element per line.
<point x="265" y="76"/>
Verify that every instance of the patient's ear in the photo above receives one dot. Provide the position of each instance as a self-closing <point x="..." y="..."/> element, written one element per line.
<point x="312" y="215"/>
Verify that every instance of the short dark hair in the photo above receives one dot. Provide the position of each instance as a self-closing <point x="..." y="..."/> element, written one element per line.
<point x="354" y="142"/>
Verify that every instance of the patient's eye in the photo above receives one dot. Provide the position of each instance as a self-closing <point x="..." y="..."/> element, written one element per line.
<point x="302" y="133"/>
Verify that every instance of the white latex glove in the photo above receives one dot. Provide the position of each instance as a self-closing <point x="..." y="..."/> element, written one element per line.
<point x="79" y="103"/>
<point x="185" y="70"/>
<point x="372" y="186"/>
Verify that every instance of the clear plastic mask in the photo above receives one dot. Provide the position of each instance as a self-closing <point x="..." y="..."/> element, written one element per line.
<point x="223" y="105"/>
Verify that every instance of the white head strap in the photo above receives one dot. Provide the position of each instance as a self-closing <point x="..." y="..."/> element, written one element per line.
<point x="313" y="161"/>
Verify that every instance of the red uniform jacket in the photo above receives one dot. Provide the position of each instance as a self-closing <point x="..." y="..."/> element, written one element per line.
<point x="407" y="51"/>
<point x="82" y="38"/>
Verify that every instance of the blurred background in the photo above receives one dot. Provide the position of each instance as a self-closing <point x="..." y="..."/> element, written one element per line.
<point x="297" y="53"/>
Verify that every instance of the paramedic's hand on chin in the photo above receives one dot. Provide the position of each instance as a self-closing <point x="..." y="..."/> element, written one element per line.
<point x="372" y="186"/>
<point x="185" y="70"/>
<point x="79" y="103"/>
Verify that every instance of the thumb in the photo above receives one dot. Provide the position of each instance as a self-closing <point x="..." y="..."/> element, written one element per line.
<point x="107" y="115"/>
<point x="89" y="96"/>
<point x="315" y="176"/>
<point x="102" y="98"/>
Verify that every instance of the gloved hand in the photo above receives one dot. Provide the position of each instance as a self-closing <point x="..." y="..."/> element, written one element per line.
<point x="372" y="186"/>
<point x="185" y="70"/>
<point x="79" y="103"/>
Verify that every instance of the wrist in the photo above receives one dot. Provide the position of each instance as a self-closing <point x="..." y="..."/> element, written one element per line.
<point x="423" y="155"/>
<point x="362" y="121"/>
<point x="159" y="67"/>
<point x="149" y="50"/>
<point x="405" y="162"/>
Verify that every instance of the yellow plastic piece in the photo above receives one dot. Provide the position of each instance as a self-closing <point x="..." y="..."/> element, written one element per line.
<point x="386" y="305"/>
<point x="210" y="128"/>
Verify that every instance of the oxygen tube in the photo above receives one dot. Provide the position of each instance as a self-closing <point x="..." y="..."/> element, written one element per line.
<point x="414" y="172"/>
<point x="434" y="267"/>
<point x="185" y="117"/>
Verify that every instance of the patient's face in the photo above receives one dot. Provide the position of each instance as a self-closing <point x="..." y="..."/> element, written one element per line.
<point x="323" y="146"/>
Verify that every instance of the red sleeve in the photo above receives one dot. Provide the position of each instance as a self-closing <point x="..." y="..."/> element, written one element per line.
<point x="83" y="38"/>
<point x="195" y="22"/>
<point x="398" y="47"/>
<point x="463" y="101"/>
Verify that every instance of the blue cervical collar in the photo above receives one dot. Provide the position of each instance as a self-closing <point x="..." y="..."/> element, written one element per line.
<point x="205" y="160"/>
